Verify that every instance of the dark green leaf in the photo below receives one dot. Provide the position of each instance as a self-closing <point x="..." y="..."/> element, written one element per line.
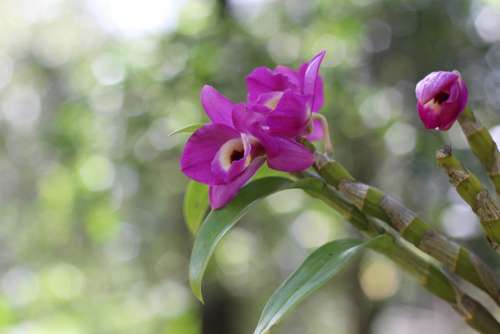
<point x="219" y="222"/>
<point x="187" y="129"/>
<point x="195" y="205"/>
<point x="316" y="270"/>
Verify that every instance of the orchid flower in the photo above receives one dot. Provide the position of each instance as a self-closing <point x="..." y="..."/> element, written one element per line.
<point x="441" y="98"/>
<point x="282" y="91"/>
<point x="227" y="152"/>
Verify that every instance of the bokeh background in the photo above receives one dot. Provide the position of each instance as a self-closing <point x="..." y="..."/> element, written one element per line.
<point x="92" y="238"/>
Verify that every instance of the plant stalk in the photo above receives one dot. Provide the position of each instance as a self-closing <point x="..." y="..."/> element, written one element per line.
<point x="482" y="145"/>
<point x="426" y="273"/>
<point x="472" y="191"/>
<point x="374" y="202"/>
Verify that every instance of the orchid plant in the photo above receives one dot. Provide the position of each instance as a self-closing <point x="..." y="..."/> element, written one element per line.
<point x="276" y="125"/>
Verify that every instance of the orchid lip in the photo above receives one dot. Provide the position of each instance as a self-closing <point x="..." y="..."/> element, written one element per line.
<point x="273" y="101"/>
<point x="232" y="150"/>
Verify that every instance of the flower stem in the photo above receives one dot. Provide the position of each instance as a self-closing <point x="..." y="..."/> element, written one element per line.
<point x="482" y="145"/>
<point x="427" y="273"/>
<point x="374" y="202"/>
<point x="472" y="191"/>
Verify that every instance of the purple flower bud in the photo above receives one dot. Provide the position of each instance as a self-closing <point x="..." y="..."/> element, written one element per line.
<point x="441" y="97"/>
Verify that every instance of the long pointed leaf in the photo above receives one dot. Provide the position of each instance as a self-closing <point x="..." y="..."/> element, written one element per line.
<point x="219" y="222"/>
<point x="195" y="205"/>
<point x="314" y="272"/>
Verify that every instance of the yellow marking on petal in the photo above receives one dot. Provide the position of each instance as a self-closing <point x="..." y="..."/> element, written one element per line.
<point x="273" y="102"/>
<point x="436" y="107"/>
<point x="227" y="151"/>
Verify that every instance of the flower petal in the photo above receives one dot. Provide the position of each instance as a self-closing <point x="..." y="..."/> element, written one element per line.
<point x="312" y="84"/>
<point x="217" y="106"/>
<point x="231" y="159"/>
<point x="220" y="195"/>
<point x="434" y="83"/>
<point x="263" y="80"/>
<point x="201" y="149"/>
<point x="291" y="74"/>
<point x="285" y="154"/>
<point x="248" y="118"/>
<point x="317" y="131"/>
<point x="291" y="116"/>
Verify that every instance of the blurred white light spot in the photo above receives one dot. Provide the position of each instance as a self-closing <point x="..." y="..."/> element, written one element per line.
<point x="108" y="70"/>
<point x="400" y="138"/>
<point x="495" y="133"/>
<point x="6" y="69"/>
<point x="487" y="23"/>
<point x="335" y="47"/>
<point x="20" y="286"/>
<point x="285" y="202"/>
<point x="130" y="18"/>
<point x="158" y="135"/>
<point x="126" y="245"/>
<point x="97" y="173"/>
<point x="379" y="279"/>
<point x="311" y="229"/>
<point x="378" y="109"/>
<point x="175" y="60"/>
<point x="21" y="108"/>
<point x="284" y="48"/>
<point x="460" y="222"/>
<point x="235" y="253"/>
<point x="106" y="99"/>
<point x="492" y="88"/>
<point x="170" y="299"/>
<point x="377" y="36"/>
<point x="65" y="281"/>
<point x="457" y="138"/>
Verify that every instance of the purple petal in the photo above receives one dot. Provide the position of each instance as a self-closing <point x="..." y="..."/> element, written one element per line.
<point x="428" y="115"/>
<point x="246" y="119"/>
<point x="217" y="106"/>
<point x="263" y="80"/>
<point x="291" y="74"/>
<point x="269" y="100"/>
<point x="201" y="149"/>
<point x="433" y="84"/>
<point x="317" y="131"/>
<point x="291" y="116"/>
<point x="231" y="159"/>
<point x="286" y="154"/>
<point x="437" y="112"/>
<point x="312" y="84"/>
<point x="220" y="195"/>
<point x="312" y="73"/>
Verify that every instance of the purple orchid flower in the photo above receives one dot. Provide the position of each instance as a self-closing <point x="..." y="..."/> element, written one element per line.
<point x="441" y="98"/>
<point x="227" y="152"/>
<point x="289" y="97"/>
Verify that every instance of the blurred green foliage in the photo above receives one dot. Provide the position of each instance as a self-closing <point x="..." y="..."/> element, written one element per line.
<point x="91" y="229"/>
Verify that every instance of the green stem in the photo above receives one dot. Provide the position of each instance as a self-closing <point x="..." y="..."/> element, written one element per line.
<point x="374" y="202"/>
<point x="426" y="273"/>
<point x="482" y="145"/>
<point x="472" y="191"/>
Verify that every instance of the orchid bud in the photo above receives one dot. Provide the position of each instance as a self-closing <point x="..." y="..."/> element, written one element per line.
<point x="441" y="97"/>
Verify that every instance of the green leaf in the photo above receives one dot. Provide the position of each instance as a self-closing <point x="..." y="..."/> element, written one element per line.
<point x="265" y="171"/>
<point x="219" y="222"/>
<point x="315" y="271"/>
<point x="187" y="129"/>
<point x="195" y="205"/>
